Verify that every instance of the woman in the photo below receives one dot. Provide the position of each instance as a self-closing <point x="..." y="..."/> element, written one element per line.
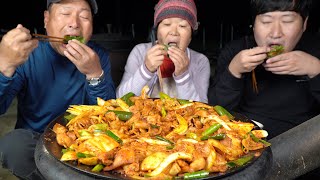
<point x="167" y="64"/>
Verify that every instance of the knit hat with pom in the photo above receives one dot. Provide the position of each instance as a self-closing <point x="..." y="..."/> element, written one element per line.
<point x="184" y="9"/>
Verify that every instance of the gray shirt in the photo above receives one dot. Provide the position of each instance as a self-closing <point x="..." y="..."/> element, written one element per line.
<point x="192" y="84"/>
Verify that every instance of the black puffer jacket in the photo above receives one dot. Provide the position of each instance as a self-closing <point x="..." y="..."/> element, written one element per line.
<point x="283" y="101"/>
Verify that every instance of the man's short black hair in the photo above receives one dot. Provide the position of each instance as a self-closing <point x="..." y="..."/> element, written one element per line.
<point x="301" y="7"/>
<point x="92" y="3"/>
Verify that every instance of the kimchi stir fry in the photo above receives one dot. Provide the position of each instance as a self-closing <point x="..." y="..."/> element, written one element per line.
<point x="165" y="138"/>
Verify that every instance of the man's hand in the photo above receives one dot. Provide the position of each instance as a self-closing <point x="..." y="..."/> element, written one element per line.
<point x="179" y="58"/>
<point x="84" y="58"/>
<point x="247" y="60"/>
<point x="294" y="63"/>
<point x="15" y="48"/>
<point x="154" y="57"/>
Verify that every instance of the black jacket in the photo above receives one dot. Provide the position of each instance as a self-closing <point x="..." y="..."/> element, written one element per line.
<point x="283" y="101"/>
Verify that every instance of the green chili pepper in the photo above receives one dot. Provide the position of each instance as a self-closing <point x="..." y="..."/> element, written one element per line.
<point x="164" y="139"/>
<point x="183" y="101"/>
<point x="68" y="38"/>
<point x="196" y="175"/>
<point x="97" y="168"/>
<point x="113" y="136"/>
<point x="83" y="155"/>
<point x="164" y="96"/>
<point x="216" y="137"/>
<point x="222" y="111"/>
<point x="166" y="47"/>
<point x="126" y="98"/>
<point x="122" y="115"/>
<point x="211" y="129"/>
<point x="255" y="139"/>
<point x="275" y="50"/>
<point x="240" y="162"/>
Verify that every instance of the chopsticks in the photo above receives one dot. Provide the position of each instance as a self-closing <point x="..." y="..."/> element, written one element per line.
<point x="160" y="79"/>
<point x="254" y="82"/>
<point x="153" y="40"/>
<point x="42" y="37"/>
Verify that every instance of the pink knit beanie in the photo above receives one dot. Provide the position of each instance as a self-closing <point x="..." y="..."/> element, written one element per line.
<point x="184" y="9"/>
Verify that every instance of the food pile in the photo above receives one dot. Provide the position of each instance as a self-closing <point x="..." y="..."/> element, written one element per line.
<point x="165" y="138"/>
<point x="67" y="38"/>
<point x="275" y="50"/>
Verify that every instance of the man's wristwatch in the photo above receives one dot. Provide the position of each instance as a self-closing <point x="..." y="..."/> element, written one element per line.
<point x="96" y="81"/>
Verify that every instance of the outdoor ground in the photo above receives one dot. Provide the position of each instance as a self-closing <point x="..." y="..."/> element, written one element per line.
<point x="7" y="122"/>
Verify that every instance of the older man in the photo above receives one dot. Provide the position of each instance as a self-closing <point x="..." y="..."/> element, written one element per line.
<point x="47" y="77"/>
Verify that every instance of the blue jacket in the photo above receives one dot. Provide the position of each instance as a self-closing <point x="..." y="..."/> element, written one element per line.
<point x="47" y="83"/>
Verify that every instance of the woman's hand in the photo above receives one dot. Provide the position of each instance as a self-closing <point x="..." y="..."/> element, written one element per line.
<point x="179" y="59"/>
<point x="154" y="57"/>
<point x="247" y="60"/>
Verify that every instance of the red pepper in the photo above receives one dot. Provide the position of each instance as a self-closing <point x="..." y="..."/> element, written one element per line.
<point x="167" y="67"/>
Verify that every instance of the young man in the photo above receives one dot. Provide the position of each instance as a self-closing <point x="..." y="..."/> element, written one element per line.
<point x="47" y="77"/>
<point x="288" y="85"/>
<point x="168" y="65"/>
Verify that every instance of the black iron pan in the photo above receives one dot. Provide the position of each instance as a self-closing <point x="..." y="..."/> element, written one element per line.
<point x="48" y="154"/>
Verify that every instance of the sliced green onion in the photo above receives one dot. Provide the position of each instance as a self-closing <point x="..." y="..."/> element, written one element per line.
<point x="68" y="117"/>
<point x="97" y="168"/>
<point x="164" y="96"/>
<point x="113" y="136"/>
<point x="240" y="162"/>
<point x="83" y="133"/>
<point x="183" y="101"/>
<point x="164" y="139"/>
<point x="255" y="139"/>
<point x="163" y="112"/>
<point x="83" y="155"/>
<point x="196" y="175"/>
<point x="66" y="150"/>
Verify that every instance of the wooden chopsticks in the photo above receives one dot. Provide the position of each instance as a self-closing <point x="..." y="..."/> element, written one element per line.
<point x="160" y="79"/>
<point x="42" y="37"/>
<point x="153" y="40"/>
<point x="254" y="82"/>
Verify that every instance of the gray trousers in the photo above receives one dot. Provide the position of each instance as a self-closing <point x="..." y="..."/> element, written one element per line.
<point x="17" y="153"/>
